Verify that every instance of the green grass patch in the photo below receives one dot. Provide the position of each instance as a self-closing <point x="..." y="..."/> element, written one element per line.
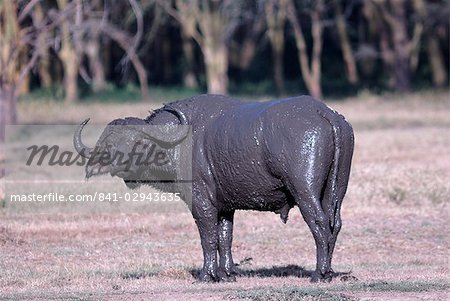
<point x="113" y="94"/>
<point x="400" y="286"/>
<point x="288" y="293"/>
<point x="335" y="293"/>
<point x="140" y="273"/>
<point x="166" y="94"/>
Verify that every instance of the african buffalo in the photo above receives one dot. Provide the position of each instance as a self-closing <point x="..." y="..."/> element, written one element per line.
<point x="266" y="156"/>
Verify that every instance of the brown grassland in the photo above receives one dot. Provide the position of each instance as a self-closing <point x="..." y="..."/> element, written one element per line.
<point x="394" y="244"/>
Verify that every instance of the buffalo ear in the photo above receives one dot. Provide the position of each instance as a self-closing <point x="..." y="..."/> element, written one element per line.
<point x="165" y="137"/>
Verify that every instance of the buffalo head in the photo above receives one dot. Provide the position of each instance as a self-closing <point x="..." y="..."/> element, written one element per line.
<point x="133" y="149"/>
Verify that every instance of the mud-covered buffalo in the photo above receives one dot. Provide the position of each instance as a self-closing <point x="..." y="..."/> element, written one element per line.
<point x="265" y="156"/>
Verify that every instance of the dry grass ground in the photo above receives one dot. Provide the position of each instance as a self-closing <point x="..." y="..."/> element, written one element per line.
<point x="394" y="241"/>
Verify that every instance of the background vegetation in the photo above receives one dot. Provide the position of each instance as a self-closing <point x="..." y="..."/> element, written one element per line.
<point x="103" y="50"/>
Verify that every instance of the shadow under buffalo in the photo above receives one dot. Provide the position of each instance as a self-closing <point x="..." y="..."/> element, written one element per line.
<point x="276" y="271"/>
<point x="290" y="270"/>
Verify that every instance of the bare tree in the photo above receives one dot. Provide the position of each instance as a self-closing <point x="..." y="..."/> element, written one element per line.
<point x="439" y="74"/>
<point x="127" y="42"/>
<point x="43" y="48"/>
<point x="397" y="46"/>
<point x="13" y="38"/>
<point x="23" y="27"/>
<point x="350" y="65"/>
<point x="80" y="33"/>
<point x="215" y="22"/>
<point x="419" y="16"/>
<point x="251" y="32"/>
<point x="70" y="48"/>
<point x="92" y="46"/>
<point x="437" y="29"/>
<point x="275" y="13"/>
<point x="368" y="29"/>
<point x="311" y="72"/>
<point x="241" y="55"/>
<point x="9" y="36"/>
<point x="188" y="28"/>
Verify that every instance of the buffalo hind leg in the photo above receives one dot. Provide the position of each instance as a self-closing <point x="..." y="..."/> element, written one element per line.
<point x="227" y="269"/>
<point x="317" y="221"/>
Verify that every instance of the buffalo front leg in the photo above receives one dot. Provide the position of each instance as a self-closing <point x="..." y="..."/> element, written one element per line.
<point x="207" y="227"/>
<point x="206" y="218"/>
<point x="226" y="270"/>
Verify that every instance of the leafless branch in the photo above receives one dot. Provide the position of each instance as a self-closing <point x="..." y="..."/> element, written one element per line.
<point x="125" y="42"/>
<point x="180" y="18"/>
<point x="139" y="21"/>
<point x="27" y="9"/>
<point x="23" y="73"/>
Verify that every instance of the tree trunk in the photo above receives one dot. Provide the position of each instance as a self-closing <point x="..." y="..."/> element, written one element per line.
<point x="187" y="31"/>
<point x="316" y="63"/>
<point x="166" y="60"/>
<point x="24" y="85"/>
<point x="277" y="55"/>
<point x="241" y="56"/>
<point x="421" y="16"/>
<point x="189" y="79"/>
<point x="350" y="66"/>
<point x="122" y="39"/>
<point x="8" y="115"/>
<point x="187" y="17"/>
<point x="10" y="35"/>
<point x="247" y="53"/>
<point x="97" y="70"/>
<point x="401" y="47"/>
<point x="44" y="61"/>
<point x="69" y="59"/>
<point x="142" y="75"/>
<point x="44" y="68"/>
<point x="387" y="55"/>
<point x="205" y="23"/>
<point x="214" y="47"/>
<point x="311" y="75"/>
<point x="10" y="55"/>
<point x="216" y="63"/>
<point x="276" y="17"/>
<point x="368" y="34"/>
<point x="92" y="50"/>
<point x="439" y="75"/>
<point x="394" y="15"/>
<point x="70" y="65"/>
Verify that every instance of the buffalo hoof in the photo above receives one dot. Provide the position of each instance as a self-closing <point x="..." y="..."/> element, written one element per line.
<point x="207" y="277"/>
<point x="320" y="277"/>
<point x="226" y="277"/>
<point x="235" y="270"/>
